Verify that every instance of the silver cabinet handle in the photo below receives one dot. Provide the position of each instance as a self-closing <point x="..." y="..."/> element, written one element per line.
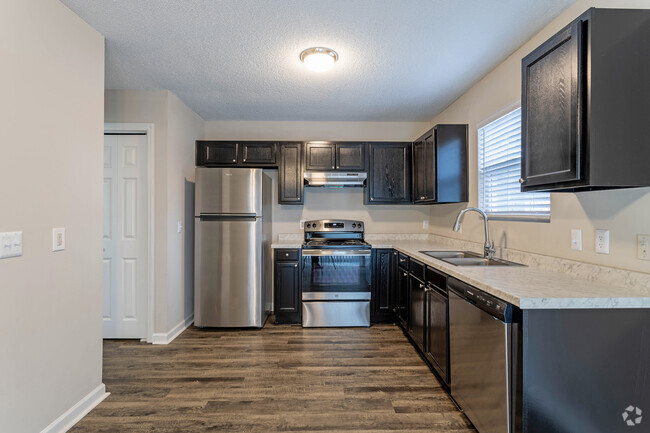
<point x="405" y="274"/>
<point x="295" y="266"/>
<point x="421" y="286"/>
<point x="521" y="180"/>
<point x="234" y="160"/>
<point x="286" y="254"/>
<point x="402" y="260"/>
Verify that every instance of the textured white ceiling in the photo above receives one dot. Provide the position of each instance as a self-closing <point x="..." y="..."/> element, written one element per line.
<point x="400" y="60"/>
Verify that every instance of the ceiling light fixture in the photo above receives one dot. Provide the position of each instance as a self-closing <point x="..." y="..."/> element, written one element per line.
<point x="319" y="59"/>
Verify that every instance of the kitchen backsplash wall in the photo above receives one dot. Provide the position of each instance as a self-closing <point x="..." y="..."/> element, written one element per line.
<point x="345" y="203"/>
<point x="623" y="212"/>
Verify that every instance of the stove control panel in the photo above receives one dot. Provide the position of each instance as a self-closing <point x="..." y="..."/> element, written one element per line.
<point x="334" y="226"/>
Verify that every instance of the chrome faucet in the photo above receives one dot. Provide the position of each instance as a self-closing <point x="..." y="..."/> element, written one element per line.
<point x="488" y="249"/>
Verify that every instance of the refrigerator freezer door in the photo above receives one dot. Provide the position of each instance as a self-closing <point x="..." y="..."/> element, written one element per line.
<point x="228" y="191"/>
<point x="228" y="273"/>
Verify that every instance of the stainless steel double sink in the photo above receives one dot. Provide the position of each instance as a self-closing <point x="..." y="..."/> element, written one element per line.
<point x="467" y="258"/>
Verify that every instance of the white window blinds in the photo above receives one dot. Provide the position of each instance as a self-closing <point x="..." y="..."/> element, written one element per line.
<point x="499" y="169"/>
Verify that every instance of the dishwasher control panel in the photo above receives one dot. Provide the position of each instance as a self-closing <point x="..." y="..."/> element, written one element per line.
<point x="488" y="303"/>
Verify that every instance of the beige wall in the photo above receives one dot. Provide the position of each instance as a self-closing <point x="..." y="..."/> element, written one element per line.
<point x="51" y="82"/>
<point x="623" y="212"/>
<point x="175" y="129"/>
<point x="331" y="203"/>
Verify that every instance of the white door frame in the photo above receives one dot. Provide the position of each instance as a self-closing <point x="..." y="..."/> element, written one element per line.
<point x="148" y="129"/>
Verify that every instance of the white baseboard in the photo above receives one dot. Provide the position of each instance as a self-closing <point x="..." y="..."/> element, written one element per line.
<point x="166" y="338"/>
<point x="75" y="413"/>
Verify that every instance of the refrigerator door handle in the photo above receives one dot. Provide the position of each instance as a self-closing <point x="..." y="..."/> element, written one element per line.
<point x="228" y="217"/>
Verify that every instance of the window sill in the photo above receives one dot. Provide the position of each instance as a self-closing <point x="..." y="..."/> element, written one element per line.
<point x="540" y="218"/>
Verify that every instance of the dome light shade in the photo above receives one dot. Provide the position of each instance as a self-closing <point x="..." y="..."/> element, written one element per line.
<point x="319" y="59"/>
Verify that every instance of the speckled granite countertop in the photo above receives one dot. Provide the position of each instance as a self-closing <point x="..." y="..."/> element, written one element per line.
<point x="528" y="287"/>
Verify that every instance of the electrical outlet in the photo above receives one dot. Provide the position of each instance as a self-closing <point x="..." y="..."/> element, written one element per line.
<point x="425" y="224"/>
<point x="302" y="224"/>
<point x="179" y="228"/>
<point x="643" y="247"/>
<point x="58" y="239"/>
<point x="576" y="239"/>
<point x="11" y="244"/>
<point x="602" y="241"/>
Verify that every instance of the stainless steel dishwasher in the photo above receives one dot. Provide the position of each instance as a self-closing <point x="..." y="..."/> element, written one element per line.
<point x="485" y="355"/>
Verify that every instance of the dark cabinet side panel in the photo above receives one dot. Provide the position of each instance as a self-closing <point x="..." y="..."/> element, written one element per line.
<point x="290" y="174"/>
<point x="451" y="175"/>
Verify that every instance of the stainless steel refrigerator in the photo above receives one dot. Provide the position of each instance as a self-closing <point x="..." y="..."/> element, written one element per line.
<point x="232" y="263"/>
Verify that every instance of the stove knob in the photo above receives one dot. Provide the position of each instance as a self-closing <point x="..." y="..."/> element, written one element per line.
<point x="308" y="225"/>
<point x="354" y="225"/>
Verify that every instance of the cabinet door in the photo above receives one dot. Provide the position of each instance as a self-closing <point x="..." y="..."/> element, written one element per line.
<point x="351" y="156"/>
<point x="287" y="302"/>
<point x="216" y="153"/>
<point x="320" y="156"/>
<point x="380" y="304"/>
<point x="552" y="82"/>
<point x="437" y="337"/>
<point x="416" y="311"/>
<point x="403" y="296"/>
<point x="290" y="175"/>
<point x="389" y="173"/>
<point x="258" y="153"/>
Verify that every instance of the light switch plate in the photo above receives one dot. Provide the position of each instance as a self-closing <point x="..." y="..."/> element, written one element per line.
<point x="58" y="239"/>
<point x="11" y="244"/>
<point x="302" y="224"/>
<point x="643" y="247"/>
<point x="576" y="239"/>
<point x="602" y="241"/>
<point x="425" y="224"/>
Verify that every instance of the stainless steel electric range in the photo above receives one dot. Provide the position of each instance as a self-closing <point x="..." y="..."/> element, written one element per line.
<point x="336" y="266"/>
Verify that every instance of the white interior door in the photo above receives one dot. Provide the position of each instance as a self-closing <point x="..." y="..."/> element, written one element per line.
<point x="125" y="236"/>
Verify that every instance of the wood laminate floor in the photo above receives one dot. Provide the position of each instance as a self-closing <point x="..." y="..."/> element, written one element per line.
<point x="282" y="378"/>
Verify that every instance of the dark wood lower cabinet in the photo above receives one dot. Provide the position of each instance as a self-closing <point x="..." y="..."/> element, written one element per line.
<point x="287" y="297"/>
<point x="381" y="308"/>
<point x="436" y="341"/>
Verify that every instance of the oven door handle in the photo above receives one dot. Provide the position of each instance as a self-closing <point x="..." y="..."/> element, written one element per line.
<point x="328" y="252"/>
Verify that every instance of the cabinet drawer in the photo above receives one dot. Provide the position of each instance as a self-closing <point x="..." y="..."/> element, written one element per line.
<point x="403" y="261"/>
<point x="286" y="255"/>
<point x="417" y="269"/>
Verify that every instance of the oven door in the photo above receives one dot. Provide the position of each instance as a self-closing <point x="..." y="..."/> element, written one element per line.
<point x="330" y="274"/>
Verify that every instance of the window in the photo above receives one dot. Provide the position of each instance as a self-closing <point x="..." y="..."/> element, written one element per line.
<point x="499" y="170"/>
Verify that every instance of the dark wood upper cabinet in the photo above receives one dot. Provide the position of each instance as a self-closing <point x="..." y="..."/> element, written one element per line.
<point x="586" y="105"/>
<point x="389" y="173"/>
<point x="216" y="153"/>
<point x="320" y="156"/>
<point x="258" y="153"/>
<point x="327" y="156"/>
<point x="290" y="174"/>
<point x="440" y="165"/>
<point x="351" y="156"/>
<point x="211" y="153"/>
